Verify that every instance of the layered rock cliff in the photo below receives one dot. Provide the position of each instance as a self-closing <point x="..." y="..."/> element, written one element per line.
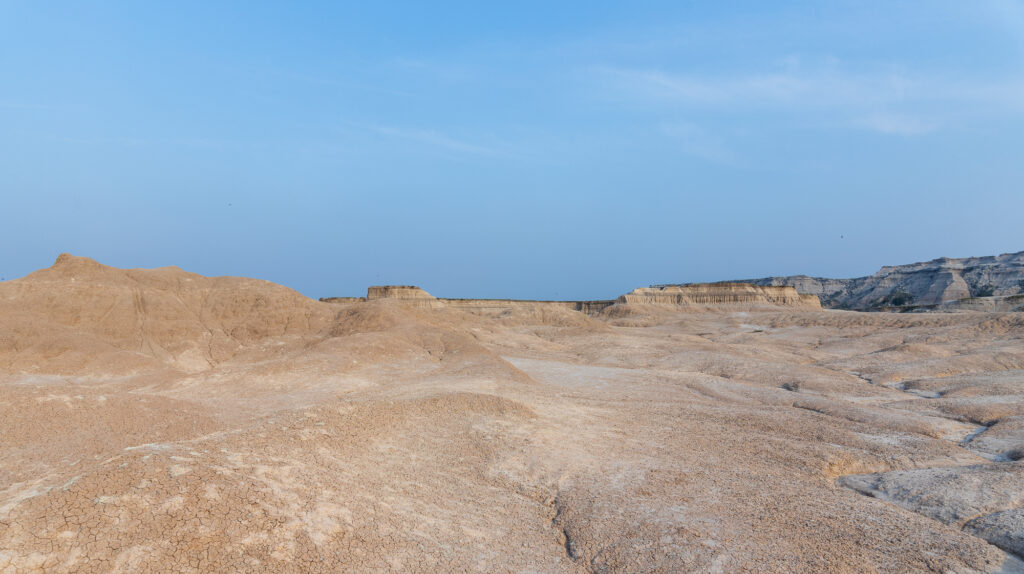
<point x="420" y="298"/>
<point x="928" y="284"/>
<point x="720" y="294"/>
<point x="396" y="292"/>
<point x="710" y="294"/>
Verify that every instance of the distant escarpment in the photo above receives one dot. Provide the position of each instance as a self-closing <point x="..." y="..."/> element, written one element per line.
<point x="991" y="283"/>
<point x="711" y="294"/>
<point x="416" y="296"/>
<point x="408" y="293"/>
<point x="720" y="294"/>
<point x="397" y="292"/>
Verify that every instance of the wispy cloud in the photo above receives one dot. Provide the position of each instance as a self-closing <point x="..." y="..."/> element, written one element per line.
<point x="820" y="87"/>
<point x="1007" y="15"/>
<point x="25" y="106"/>
<point x="339" y="82"/>
<point x="439" y="140"/>
<point x="700" y="143"/>
<point x="896" y="124"/>
<point x="885" y="101"/>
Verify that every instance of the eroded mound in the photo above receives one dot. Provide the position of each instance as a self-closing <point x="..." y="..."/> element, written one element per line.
<point x="81" y="317"/>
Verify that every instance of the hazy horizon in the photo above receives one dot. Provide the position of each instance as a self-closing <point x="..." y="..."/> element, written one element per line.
<point x="527" y="151"/>
<point x="456" y="295"/>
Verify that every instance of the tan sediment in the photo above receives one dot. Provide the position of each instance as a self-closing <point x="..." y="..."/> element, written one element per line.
<point x="156" y="420"/>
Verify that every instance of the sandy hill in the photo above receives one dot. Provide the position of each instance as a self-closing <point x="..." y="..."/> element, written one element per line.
<point x="80" y="316"/>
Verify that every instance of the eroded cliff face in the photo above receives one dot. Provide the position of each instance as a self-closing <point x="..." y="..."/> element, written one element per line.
<point x="418" y="297"/>
<point x="396" y="292"/>
<point x="927" y="284"/>
<point x="408" y="294"/>
<point x="720" y="294"/>
<point x="711" y="294"/>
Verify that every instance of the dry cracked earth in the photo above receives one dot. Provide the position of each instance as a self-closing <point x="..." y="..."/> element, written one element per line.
<point x="160" y="421"/>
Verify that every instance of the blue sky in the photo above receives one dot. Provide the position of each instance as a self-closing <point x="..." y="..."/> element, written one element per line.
<point x="527" y="150"/>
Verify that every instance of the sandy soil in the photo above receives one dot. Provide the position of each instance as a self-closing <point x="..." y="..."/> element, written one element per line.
<point x="159" y="421"/>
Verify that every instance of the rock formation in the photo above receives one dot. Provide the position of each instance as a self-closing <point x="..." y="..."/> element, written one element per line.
<point x="719" y="294"/>
<point x="397" y="292"/>
<point x="917" y="285"/>
<point x="710" y="294"/>
<point x="408" y="294"/>
<point x="420" y="298"/>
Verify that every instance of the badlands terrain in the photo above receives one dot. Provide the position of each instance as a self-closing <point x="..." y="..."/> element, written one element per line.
<point x="995" y="282"/>
<point x="161" y="421"/>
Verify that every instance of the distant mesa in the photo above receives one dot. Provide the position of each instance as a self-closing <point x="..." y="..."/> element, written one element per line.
<point x="720" y="294"/>
<point x="407" y="293"/>
<point x="375" y="292"/>
<point x="410" y="294"/>
<point x="397" y="292"/>
<point x="991" y="283"/>
<point x="701" y="294"/>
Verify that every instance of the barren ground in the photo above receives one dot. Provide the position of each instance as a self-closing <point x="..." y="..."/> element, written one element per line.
<point x="162" y="421"/>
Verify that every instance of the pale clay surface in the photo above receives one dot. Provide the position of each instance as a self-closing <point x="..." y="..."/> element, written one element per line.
<point x="160" y="421"/>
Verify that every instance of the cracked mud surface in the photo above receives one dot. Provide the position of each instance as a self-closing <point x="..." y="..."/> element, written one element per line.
<point x="166" y="422"/>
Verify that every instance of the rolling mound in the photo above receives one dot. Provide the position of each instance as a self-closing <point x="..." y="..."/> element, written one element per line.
<point x="79" y="317"/>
